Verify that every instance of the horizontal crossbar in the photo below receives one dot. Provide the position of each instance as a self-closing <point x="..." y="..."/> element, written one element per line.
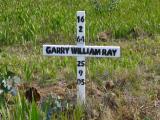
<point x="86" y="51"/>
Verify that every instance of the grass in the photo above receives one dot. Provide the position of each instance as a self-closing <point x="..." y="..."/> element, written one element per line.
<point x="35" y="20"/>
<point x="27" y="25"/>
<point x="31" y="111"/>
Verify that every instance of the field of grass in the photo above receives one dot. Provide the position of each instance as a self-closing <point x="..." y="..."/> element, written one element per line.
<point x="134" y="26"/>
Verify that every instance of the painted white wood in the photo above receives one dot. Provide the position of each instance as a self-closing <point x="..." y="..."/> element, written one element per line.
<point x="81" y="59"/>
<point x="81" y="51"/>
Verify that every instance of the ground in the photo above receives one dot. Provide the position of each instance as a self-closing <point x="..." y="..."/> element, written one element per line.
<point x="135" y="77"/>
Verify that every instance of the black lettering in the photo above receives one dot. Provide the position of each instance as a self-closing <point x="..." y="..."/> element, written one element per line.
<point x="49" y="50"/>
<point x="87" y="52"/>
<point x="80" y="81"/>
<point x="114" y="52"/>
<point x="67" y="49"/>
<point x="74" y="50"/>
<point x="62" y="50"/>
<point x="80" y="72"/>
<point x="80" y="63"/>
<point x="83" y="51"/>
<point x="109" y="53"/>
<point x="54" y="50"/>
<point x="58" y="50"/>
<point x="80" y="39"/>
<point x="97" y="51"/>
<point x="80" y="28"/>
<point x="91" y="51"/>
<point x="80" y="19"/>
<point x="94" y="52"/>
<point x="79" y="51"/>
<point x="103" y="51"/>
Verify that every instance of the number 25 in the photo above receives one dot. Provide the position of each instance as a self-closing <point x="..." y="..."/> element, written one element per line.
<point x="80" y="63"/>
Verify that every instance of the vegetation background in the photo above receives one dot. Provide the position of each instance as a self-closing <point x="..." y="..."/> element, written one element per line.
<point x="133" y="25"/>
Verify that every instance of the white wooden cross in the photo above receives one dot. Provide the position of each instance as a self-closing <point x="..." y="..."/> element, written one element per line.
<point x="81" y="51"/>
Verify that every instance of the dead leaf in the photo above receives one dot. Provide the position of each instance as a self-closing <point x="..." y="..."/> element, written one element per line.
<point x="111" y="101"/>
<point x="109" y="85"/>
<point x="32" y="94"/>
<point x="104" y="36"/>
<point x="72" y="85"/>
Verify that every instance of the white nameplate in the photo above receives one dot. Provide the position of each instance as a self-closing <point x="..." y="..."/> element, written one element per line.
<point x="85" y="51"/>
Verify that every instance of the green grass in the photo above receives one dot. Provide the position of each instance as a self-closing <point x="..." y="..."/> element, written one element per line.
<point x="35" y="20"/>
<point x="31" y="63"/>
<point x="22" y="109"/>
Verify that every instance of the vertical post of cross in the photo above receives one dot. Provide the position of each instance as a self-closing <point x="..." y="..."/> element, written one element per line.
<point x="81" y="60"/>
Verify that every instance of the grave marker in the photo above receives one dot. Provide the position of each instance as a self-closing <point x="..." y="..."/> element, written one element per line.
<point x="81" y="51"/>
